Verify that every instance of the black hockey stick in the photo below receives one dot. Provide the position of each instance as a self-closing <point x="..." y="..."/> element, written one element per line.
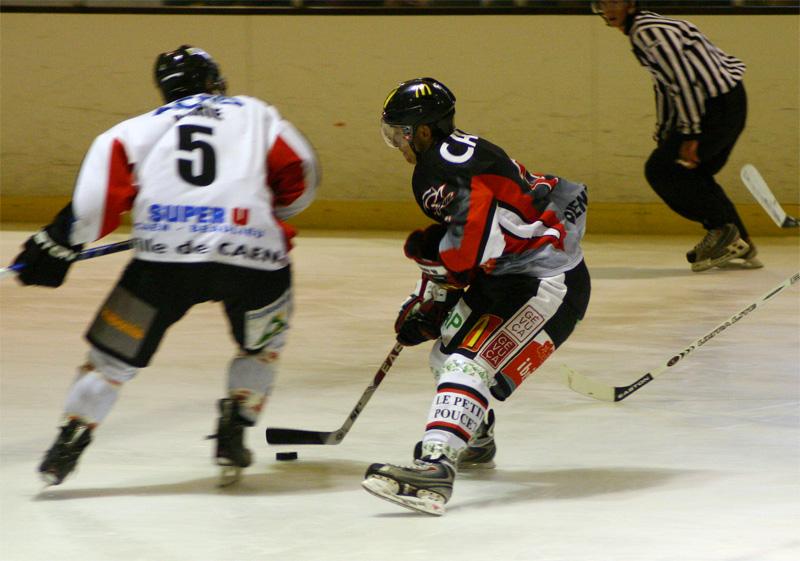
<point x="763" y="195"/>
<point x="603" y="392"/>
<point x="299" y="436"/>
<point x="85" y="254"/>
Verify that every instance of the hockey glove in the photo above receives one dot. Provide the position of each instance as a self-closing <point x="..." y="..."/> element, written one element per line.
<point x="423" y="247"/>
<point x="46" y="255"/>
<point x="422" y="314"/>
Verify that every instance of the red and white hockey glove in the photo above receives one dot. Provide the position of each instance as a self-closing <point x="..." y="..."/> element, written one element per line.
<point x="422" y="314"/>
<point x="423" y="247"/>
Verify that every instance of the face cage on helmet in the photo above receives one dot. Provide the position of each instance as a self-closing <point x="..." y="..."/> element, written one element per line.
<point x="396" y="135"/>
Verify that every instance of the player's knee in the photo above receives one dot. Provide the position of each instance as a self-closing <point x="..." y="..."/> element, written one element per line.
<point x="458" y="369"/>
<point x="113" y="370"/>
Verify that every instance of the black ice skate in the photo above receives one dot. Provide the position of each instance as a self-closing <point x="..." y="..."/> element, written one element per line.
<point x="719" y="246"/>
<point x="424" y="486"/>
<point x="480" y="452"/>
<point x="231" y="452"/>
<point x="62" y="457"/>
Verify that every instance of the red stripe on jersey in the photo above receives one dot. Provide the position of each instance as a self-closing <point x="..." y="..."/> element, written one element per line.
<point x="120" y="190"/>
<point x="465" y="257"/>
<point x="452" y="428"/>
<point x="285" y="175"/>
<point x="511" y="195"/>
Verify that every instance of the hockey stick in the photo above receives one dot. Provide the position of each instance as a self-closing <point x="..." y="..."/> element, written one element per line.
<point x="603" y="392"/>
<point x="299" y="436"/>
<point x="761" y="191"/>
<point x="85" y="254"/>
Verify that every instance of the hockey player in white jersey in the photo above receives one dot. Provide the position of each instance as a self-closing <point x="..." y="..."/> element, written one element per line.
<point x="209" y="180"/>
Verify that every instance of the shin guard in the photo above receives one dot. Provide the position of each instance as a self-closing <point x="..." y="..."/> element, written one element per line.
<point x="462" y="398"/>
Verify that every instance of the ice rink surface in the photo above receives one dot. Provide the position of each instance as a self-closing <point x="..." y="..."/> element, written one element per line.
<point x="703" y="464"/>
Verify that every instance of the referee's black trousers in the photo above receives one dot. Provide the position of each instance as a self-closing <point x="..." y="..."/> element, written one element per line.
<point x="693" y="193"/>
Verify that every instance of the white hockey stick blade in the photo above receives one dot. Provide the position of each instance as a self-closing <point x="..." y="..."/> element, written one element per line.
<point x="763" y="195"/>
<point x="603" y="392"/>
<point x="586" y="386"/>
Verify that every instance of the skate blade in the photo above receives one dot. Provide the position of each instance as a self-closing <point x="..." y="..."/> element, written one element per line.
<point x="383" y="490"/>
<point x="229" y="475"/>
<point x="49" y="479"/>
<point x="752" y="263"/>
<point x="476" y="466"/>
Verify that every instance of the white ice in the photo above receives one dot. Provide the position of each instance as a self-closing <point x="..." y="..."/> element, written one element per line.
<point x="703" y="464"/>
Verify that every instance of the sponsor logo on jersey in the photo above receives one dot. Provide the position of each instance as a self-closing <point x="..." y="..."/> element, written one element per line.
<point x="525" y="322"/>
<point x="528" y="360"/>
<point x="251" y="253"/>
<point x="480" y="332"/>
<point x="240" y="216"/>
<point x="226" y="249"/>
<point x="186" y="213"/>
<point x="498" y="349"/>
<point x="199" y="219"/>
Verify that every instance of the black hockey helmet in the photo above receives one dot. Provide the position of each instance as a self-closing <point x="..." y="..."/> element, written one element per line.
<point x="186" y="71"/>
<point x="421" y="101"/>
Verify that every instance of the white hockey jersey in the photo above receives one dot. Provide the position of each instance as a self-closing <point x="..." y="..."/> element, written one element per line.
<point x="208" y="178"/>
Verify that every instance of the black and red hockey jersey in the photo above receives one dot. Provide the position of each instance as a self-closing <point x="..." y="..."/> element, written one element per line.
<point x="486" y="200"/>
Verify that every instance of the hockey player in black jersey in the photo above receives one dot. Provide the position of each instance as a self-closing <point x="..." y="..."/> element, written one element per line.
<point x="503" y="284"/>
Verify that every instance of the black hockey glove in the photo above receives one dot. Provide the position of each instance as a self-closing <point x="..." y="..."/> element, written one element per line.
<point x="422" y="314"/>
<point x="47" y="255"/>
<point x="423" y="247"/>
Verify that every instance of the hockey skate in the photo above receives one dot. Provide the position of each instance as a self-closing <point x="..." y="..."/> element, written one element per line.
<point x="425" y="486"/>
<point x="62" y="457"/>
<point x="719" y="246"/>
<point x="231" y="453"/>
<point x="480" y="452"/>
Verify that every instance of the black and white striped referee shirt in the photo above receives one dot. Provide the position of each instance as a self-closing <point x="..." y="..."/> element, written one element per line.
<point x="687" y="69"/>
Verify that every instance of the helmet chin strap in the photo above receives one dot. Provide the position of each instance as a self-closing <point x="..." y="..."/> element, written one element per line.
<point x="411" y="141"/>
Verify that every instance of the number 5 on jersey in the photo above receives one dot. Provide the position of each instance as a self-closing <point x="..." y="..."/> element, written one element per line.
<point x="204" y="161"/>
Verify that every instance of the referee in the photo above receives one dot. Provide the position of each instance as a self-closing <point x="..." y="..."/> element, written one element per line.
<point x="701" y="110"/>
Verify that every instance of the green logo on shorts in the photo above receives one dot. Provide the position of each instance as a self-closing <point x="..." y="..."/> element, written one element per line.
<point x="276" y="325"/>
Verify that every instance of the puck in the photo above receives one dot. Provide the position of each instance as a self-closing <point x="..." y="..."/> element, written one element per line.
<point x="286" y="456"/>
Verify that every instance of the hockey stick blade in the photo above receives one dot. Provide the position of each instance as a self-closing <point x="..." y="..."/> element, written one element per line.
<point x="763" y="195"/>
<point x="300" y="436"/>
<point x="603" y="392"/>
<point x="83" y="255"/>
